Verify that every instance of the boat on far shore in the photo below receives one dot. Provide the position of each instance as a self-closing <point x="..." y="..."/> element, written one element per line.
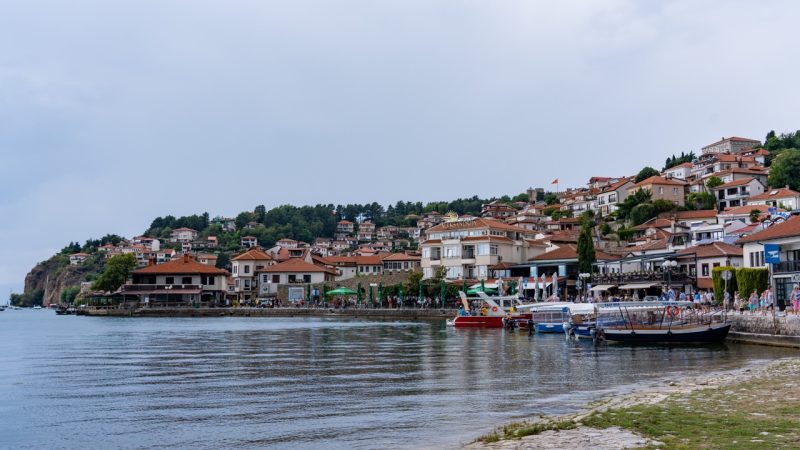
<point x="491" y="312"/>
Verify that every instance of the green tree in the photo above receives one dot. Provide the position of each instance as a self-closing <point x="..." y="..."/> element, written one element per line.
<point x="755" y="214"/>
<point x="631" y="201"/>
<point x="550" y="198"/>
<point x="785" y="170"/>
<point x="701" y="200"/>
<point x="646" y="173"/>
<point x="69" y="294"/>
<point x="412" y="285"/>
<point x="586" y="253"/>
<point x="115" y="273"/>
<point x="713" y="182"/>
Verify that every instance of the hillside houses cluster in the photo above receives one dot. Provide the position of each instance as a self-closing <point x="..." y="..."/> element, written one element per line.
<point x="679" y="248"/>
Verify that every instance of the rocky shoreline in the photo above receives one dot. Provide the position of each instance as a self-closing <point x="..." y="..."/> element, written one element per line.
<point x="575" y="430"/>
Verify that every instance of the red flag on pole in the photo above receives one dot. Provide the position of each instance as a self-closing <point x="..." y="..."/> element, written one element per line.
<point x="554" y="181"/>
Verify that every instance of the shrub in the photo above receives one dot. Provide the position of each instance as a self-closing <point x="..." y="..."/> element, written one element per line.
<point x="719" y="283"/>
<point x="749" y="280"/>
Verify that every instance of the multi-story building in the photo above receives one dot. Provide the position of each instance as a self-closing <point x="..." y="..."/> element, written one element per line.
<point x="244" y="268"/>
<point x="183" y="235"/>
<point x="465" y="248"/>
<point x="294" y="273"/>
<point x="612" y="195"/>
<point x="345" y="227"/>
<point x="737" y="192"/>
<point x="786" y="236"/>
<point x="249" y="241"/>
<point x="664" y="189"/>
<point x="730" y="145"/>
<point x="401" y="262"/>
<point x="180" y="280"/>
<point x="497" y="210"/>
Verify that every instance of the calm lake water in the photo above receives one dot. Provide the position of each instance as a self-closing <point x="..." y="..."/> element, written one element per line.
<point x="208" y="383"/>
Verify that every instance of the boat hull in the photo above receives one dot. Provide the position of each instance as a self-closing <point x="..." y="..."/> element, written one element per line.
<point x="549" y="328"/>
<point x="694" y="335"/>
<point x="487" y="321"/>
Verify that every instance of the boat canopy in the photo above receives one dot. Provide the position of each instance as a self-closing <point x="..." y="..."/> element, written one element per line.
<point x="616" y="306"/>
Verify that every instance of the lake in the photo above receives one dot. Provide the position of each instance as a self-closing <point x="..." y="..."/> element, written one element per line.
<point x="207" y="383"/>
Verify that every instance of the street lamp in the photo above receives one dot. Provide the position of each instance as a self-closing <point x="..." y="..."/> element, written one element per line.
<point x="583" y="280"/>
<point x="667" y="267"/>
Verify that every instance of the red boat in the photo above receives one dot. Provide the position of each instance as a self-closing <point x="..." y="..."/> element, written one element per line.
<point x="491" y="313"/>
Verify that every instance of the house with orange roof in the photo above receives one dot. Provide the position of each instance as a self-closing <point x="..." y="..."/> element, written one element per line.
<point x="183" y="235"/>
<point x="78" y="258"/>
<point x="249" y="241"/>
<point x="737" y="192"/>
<point x="785" y="234"/>
<point x="345" y="227"/>
<point x="699" y="261"/>
<point x="782" y="197"/>
<point x="497" y="210"/>
<point x="466" y="247"/>
<point x="664" y="189"/>
<point x="243" y="270"/>
<point x="401" y="262"/>
<point x="183" y="280"/>
<point x="612" y="195"/>
<point x="293" y="273"/>
<point x="681" y="171"/>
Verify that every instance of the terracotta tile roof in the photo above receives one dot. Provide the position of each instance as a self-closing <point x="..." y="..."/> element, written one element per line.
<point x="432" y="241"/>
<point x="657" y="222"/>
<point x="570" y="251"/>
<point x="184" y="229"/>
<point x="732" y="138"/>
<point x="744" y="210"/>
<point x="373" y="260"/>
<point x="789" y="228"/>
<point x="402" y="257"/>
<point x="685" y="215"/>
<point x="565" y="236"/>
<point x="254" y="254"/>
<point x="726" y="157"/>
<point x="778" y="193"/>
<point x="658" y="244"/>
<point x="480" y="222"/>
<point x="80" y="254"/>
<point x="734" y="183"/>
<point x="186" y="265"/>
<point x="488" y="238"/>
<point x="713" y="249"/>
<point x="340" y="260"/>
<point x="658" y="180"/>
<point x="296" y="265"/>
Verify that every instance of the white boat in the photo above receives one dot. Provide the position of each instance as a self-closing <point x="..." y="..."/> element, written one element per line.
<point x="659" y="322"/>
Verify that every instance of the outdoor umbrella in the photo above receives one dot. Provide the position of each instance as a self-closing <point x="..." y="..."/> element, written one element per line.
<point x="483" y="288"/>
<point x="308" y="294"/>
<point x="443" y="291"/>
<point x="512" y="287"/>
<point x="371" y="295"/>
<point x="544" y="287"/>
<point x="341" y="291"/>
<point x="420" y="289"/>
<point x="324" y="298"/>
<point x="555" y="284"/>
<point x="400" y="294"/>
<point x="380" y="294"/>
<point x="464" y="288"/>
<point x="358" y="290"/>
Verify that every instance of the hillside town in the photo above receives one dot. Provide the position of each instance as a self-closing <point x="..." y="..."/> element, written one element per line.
<point x="666" y="230"/>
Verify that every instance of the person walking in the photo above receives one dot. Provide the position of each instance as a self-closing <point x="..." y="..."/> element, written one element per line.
<point x="753" y="304"/>
<point x="794" y="297"/>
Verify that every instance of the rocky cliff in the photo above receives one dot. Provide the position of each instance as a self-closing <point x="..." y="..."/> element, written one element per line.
<point x="55" y="274"/>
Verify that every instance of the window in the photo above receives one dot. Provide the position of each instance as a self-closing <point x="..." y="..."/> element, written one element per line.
<point x="236" y="282"/>
<point x="246" y="269"/>
<point x="493" y="250"/>
<point x="265" y="278"/>
<point x="674" y="191"/>
<point x="170" y="280"/>
<point x="661" y="190"/>
<point x="292" y="278"/>
<point x="235" y="269"/>
<point x="306" y="278"/>
<point x="704" y="268"/>
<point x="276" y="279"/>
<point x="186" y="280"/>
<point x="483" y="249"/>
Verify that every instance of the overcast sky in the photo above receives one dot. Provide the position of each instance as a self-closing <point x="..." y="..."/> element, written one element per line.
<point x="114" y="112"/>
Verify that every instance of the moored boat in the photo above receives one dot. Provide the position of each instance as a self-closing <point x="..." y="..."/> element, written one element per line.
<point x="659" y="323"/>
<point x="494" y="312"/>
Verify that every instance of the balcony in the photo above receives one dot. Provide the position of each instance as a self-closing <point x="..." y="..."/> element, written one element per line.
<point x="641" y="277"/>
<point x="786" y="266"/>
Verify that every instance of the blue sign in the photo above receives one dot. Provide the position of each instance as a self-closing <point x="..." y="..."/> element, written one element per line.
<point x="772" y="253"/>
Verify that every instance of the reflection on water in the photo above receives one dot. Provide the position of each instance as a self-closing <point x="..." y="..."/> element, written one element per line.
<point x="78" y="382"/>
